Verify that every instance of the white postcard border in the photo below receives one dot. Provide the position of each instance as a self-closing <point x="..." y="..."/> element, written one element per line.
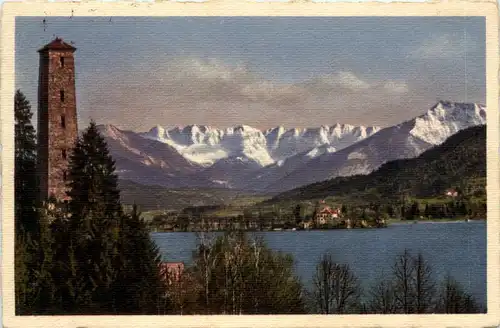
<point x="11" y="10"/>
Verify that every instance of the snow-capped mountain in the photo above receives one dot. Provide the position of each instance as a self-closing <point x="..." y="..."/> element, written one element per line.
<point x="405" y="140"/>
<point x="278" y="159"/>
<point x="206" y="145"/>
<point x="233" y="156"/>
<point x="150" y="162"/>
<point x="284" y="143"/>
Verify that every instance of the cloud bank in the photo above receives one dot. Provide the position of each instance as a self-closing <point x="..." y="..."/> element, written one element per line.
<point x="209" y="91"/>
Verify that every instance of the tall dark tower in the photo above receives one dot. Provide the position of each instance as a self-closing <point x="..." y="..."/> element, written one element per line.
<point x="57" y="118"/>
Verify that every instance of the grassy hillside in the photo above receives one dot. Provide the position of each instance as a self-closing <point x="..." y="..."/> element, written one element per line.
<point x="150" y="198"/>
<point x="460" y="162"/>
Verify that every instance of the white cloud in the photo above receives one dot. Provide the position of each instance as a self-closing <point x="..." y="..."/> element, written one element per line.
<point x="396" y="87"/>
<point x="443" y="46"/>
<point x="349" y="80"/>
<point x="343" y="79"/>
<point x="195" y="91"/>
<point x="208" y="69"/>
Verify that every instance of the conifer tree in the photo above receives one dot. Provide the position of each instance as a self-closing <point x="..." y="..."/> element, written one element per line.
<point x="138" y="288"/>
<point x="25" y="166"/>
<point x="42" y="250"/>
<point x="93" y="228"/>
<point x="25" y="190"/>
<point x="64" y="267"/>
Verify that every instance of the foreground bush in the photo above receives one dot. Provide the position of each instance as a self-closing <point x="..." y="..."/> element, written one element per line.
<point x="235" y="274"/>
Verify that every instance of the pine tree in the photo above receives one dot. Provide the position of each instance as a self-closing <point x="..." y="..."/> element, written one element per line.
<point x="25" y="191"/>
<point x="25" y="166"/>
<point x="42" y="250"/>
<point x="138" y="288"/>
<point x="95" y="214"/>
<point x="64" y="267"/>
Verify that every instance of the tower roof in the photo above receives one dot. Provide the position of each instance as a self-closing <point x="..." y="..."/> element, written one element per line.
<point x="57" y="44"/>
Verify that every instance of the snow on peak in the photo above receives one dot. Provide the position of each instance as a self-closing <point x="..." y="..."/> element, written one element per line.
<point x="206" y="145"/>
<point x="284" y="143"/>
<point x="158" y="131"/>
<point x="445" y="119"/>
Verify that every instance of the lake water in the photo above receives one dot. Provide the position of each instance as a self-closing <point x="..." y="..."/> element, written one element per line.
<point x="457" y="248"/>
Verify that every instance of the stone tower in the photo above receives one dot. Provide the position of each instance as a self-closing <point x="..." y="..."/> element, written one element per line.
<point x="57" y="118"/>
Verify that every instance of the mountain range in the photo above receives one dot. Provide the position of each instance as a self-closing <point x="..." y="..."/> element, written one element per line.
<point x="278" y="159"/>
<point x="459" y="162"/>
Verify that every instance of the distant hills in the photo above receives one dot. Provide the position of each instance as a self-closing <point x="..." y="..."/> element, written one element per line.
<point x="459" y="162"/>
<point x="154" y="197"/>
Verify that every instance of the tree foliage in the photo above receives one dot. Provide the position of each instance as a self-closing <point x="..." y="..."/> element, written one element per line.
<point x="240" y="275"/>
<point x="138" y="288"/>
<point x="27" y="265"/>
<point x="24" y="166"/>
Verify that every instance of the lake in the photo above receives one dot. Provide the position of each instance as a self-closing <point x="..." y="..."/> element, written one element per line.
<point x="457" y="248"/>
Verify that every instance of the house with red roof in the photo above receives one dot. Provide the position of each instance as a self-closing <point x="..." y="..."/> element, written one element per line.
<point x="327" y="215"/>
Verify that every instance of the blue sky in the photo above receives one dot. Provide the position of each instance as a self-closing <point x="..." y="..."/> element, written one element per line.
<point x="221" y="71"/>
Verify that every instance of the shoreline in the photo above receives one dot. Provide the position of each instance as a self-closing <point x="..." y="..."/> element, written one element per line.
<point x="389" y="223"/>
<point x="398" y="221"/>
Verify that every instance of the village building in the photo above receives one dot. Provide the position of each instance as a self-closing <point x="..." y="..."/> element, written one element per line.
<point x="451" y="193"/>
<point x="327" y="215"/>
<point x="307" y="224"/>
<point x="57" y="118"/>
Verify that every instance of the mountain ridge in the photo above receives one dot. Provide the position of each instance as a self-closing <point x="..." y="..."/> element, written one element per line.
<point x="278" y="159"/>
<point x="205" y="145"/>
<point x="460" y="158"/>
<point x="391" y="143"/>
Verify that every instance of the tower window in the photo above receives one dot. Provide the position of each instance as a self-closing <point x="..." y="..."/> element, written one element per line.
<point x="64" y="176"/>
<point x="63" y="121"/>
<point x="63" y="153"/>
<point x="61" y="94"/>
<point x="61" y="61"/>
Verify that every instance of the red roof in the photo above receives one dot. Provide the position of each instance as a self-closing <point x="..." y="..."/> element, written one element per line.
<point x="57" y="44"/>
<point x="329" y="211"/>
